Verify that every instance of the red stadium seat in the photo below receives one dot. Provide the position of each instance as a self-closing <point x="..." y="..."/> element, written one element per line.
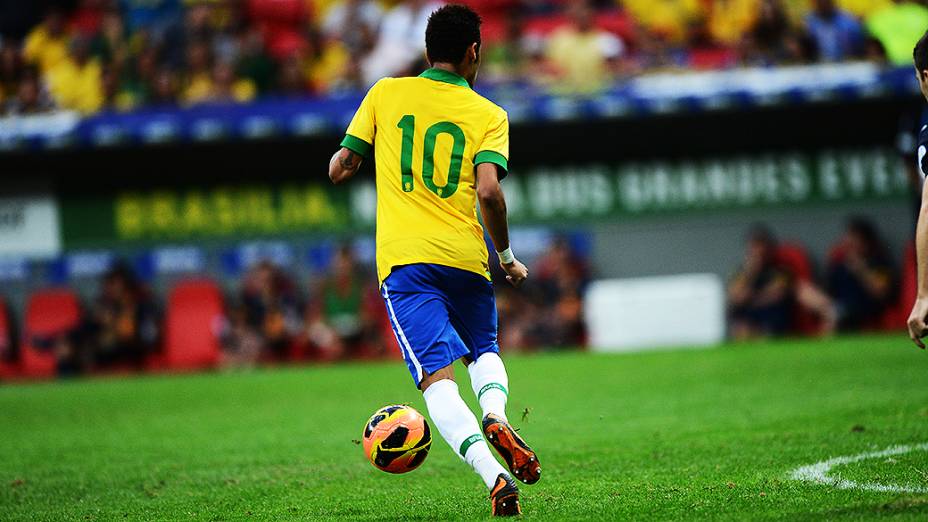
<point x="491" y="7"/>
<point x="192" y="325"/>
<point x="281" y="22"/>
<point x="289" y="12"/>
<point x="494" y="14"/>
<point x="618" y="23"/>
<point x="8" y="368"/>
<point x="49" y="314"/>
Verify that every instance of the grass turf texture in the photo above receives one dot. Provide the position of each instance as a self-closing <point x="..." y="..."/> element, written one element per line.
<point x="669" y="435"/>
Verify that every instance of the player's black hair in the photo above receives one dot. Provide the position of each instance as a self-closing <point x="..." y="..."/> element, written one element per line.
<point x="920" y="53"/>
<point x="451" y="30"/>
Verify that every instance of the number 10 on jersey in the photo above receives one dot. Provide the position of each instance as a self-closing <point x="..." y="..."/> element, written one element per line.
<point x="408" y="125"/>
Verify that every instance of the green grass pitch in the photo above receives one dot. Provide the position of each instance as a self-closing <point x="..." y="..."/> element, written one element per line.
<point x="673" y="435"/>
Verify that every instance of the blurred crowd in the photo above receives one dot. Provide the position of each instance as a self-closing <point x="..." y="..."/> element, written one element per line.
<point x="340" y="316"/>
<point x="93" y="55"/>
<point x="547" y="311"/>
<point x="271" y="318"/>
<point x="777" y="292"/>
<point x="120" y="328"/>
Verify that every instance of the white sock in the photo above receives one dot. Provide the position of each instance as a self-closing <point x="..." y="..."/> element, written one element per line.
<point x="460" y="429"/>
<point x="490" y="383"/>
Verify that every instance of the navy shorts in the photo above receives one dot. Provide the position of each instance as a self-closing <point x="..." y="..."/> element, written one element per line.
<point x="440" y="314"/>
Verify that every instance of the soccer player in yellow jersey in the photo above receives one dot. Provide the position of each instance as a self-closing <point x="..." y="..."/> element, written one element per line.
<point x="439" y="148"/>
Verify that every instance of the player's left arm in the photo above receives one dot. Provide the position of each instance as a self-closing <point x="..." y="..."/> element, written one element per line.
<point x="343" y="165"/>
<point x="493" y="210"/>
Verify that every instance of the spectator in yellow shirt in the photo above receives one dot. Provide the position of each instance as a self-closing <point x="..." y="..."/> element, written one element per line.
<point x="213" y="83"/>
<point x="581" y="58"/>
<point x="863" y="8"/>
<point x="76" y="82"/>
<point x="228" y="88"/>
<point x="199" y="81"/>
<point x="47" y="44"/>
<point x="730" y="20"/>
<point x="669" y="19"/>
<point x="325" y="64"/>
<point x="859" y="8"/>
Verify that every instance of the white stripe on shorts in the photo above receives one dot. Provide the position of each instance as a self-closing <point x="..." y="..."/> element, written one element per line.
<point x="400" y="336"/>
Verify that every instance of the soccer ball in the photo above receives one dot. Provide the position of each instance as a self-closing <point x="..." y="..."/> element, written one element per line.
<point x="397" y="439"/>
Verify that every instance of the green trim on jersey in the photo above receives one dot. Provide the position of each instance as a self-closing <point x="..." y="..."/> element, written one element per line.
<point x="468" y="442"/>
<point x="491" y="156"/>
<point x="441" y="75"/>
<point x="356" y="145"/>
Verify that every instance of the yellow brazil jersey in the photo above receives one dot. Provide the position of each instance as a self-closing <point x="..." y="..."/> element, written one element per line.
<point x="428" y="134"/>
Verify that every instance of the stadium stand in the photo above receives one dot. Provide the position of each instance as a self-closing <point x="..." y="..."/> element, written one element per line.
<point x="101" y="55"/>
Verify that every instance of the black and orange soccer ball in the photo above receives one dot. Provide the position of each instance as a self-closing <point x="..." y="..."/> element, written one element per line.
<point x="397" y="439"/>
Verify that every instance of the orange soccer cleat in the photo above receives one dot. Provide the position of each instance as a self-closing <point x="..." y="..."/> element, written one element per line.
<point x="522" y="461"/>
<point x="504" y="497"/>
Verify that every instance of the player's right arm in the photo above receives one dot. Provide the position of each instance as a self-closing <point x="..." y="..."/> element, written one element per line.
<point x="916" y="323"/>
<point x="344" y="164"/>
<point x="491" y="165"/>
<point x="359" y="139"/>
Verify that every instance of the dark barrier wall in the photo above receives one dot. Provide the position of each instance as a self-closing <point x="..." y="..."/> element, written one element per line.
<point x="635" y="170"/>
<point x="781" y="128"/>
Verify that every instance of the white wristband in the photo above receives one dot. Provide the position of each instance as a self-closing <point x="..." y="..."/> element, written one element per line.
<point x="506" y="256"/>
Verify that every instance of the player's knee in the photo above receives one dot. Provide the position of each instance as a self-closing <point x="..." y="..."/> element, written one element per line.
<point x="439" y="375"/>
<point x="489" y="356"/>
<point x="488" y="359"/>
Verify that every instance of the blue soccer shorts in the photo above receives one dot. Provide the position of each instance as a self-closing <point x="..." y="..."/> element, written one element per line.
<point x="440" y="314"/>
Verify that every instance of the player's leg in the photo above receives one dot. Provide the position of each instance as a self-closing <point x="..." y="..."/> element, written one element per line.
<point x="460" y="429"/>
<point x="457" y="424"/>
<point x="473" y="314"/>
<point x="430" y="345"/>
<point x="490" y="383"/>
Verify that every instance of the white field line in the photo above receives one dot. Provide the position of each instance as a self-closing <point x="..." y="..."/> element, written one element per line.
<point x="818" y="473"/>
